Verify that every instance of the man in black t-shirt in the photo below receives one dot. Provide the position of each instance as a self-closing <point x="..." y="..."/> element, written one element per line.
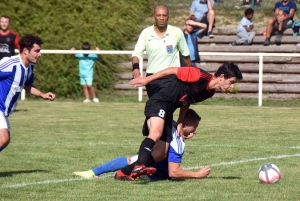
<point x="186" y="86"/>
<point x="8" y="38"/>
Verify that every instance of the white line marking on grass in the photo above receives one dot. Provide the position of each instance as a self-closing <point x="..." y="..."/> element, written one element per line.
<point x="110" y="175"/>
<point x="244" y="161"/>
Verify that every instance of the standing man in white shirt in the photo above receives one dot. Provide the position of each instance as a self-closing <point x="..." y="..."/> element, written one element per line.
<point x="16" y="73"/>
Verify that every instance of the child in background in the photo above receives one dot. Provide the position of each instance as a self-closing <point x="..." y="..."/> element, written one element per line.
<point x="86" y="71"/>
<point x="192" y="30"/>
<point x="244" y="30"/>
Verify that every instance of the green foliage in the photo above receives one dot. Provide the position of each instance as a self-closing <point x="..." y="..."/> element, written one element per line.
<point x="108" y="25"/>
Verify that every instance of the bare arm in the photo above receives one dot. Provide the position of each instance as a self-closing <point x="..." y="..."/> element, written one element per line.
<point x="209" y="5"/>
<point x="142" y="81"/>
<point x="73" y="55"/>
<point x="175" y="171"/>
<point x="187" y="60"/>
<point x="136" y="72"/>
<point x="99" y="55"/>
<point x="34" y="91"/>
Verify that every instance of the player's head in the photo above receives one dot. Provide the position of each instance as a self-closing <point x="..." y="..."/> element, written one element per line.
<point x="30" y="47"/>
<point x="190" y="123"/>
<point x="161" y="16"/>
<point x="227" y="75"/>
<point x="4" y="22"/>
<point x="86" y="46"/>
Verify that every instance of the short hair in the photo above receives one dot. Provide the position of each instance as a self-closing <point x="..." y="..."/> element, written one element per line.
<point x="191" y="115"/>
<point x="249" y="11"/>
<point x="163" y="6"/>
<point x="28" y="40"/>
<point x="5" y="16"/>
<point x="86" y="46"/>
<point x="229" y="69"/>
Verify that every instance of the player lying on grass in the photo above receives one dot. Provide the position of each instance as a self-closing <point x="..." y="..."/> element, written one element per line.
<point x="165" y="169"/>
<point x="186" y="85"/>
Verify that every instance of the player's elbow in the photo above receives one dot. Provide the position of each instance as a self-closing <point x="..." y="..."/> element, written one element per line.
<point x="173" y="173"/>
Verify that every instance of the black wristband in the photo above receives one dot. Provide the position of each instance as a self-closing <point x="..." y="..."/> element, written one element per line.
<point x="135" y="66"/>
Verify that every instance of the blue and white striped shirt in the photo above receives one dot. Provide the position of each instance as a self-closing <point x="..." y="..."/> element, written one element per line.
<point x="13" y="77"/>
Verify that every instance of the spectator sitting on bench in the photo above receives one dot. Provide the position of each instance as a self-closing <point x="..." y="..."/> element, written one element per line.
<point x="244" y="30"/>
<point x="203" y="11"/>
<point x="283" y="19"/>
<point x="191" y="30"/>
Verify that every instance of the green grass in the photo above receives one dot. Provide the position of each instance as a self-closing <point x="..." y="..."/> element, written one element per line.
<point x="50" y="140"/>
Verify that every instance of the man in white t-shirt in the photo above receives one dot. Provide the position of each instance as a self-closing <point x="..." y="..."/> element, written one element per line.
<point x="244" y="30"/>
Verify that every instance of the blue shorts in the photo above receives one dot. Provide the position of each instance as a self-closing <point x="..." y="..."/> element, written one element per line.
<point x="86" y="81"/>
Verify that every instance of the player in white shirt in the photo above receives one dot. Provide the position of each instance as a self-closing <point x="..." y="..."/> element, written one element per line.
<point x="16" y="73"/>
<point x="169" y="168"/>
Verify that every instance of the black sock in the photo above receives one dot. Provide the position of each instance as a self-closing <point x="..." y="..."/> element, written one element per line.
<point x="144" y="157"/>
<point x="280" y="32"/>
<point x="145" y="151"/>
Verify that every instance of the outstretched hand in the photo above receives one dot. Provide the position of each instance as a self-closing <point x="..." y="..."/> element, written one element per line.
<point x="139" y="81"/>
<point x="204" y="172"/>
<point x="48" y="96"/>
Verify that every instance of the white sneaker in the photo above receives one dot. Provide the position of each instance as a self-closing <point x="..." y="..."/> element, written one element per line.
<point x="87" y="101"/>
<point x="85" y="174"/>
<point x="96" y="100"/>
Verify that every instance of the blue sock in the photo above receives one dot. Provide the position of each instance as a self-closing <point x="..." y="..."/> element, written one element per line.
<point x="1" y="148"/>
<point x="111" y="166"/>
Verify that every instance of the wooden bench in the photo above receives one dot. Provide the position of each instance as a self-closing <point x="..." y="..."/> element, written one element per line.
<point x="281" y="74"/>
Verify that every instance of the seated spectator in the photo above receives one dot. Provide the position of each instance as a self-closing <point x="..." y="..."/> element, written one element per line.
<point x="192" y="29"/>
<point x="203" y="11"/>
<point x="283" y="19"/>
<point x="244" y="30"/>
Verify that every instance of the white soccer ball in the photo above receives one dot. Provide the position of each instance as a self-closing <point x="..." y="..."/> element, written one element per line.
<point x="269" y="173"/>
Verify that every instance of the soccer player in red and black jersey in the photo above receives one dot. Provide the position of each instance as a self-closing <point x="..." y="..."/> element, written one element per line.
<point x="187" y="85"/>
<point x="8" y="38"/>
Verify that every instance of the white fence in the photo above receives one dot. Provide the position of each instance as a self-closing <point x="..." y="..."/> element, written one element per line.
<point x="140" y="91"/>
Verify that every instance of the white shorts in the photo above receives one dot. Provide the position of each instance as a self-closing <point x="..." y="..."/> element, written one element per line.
<point x="4" y="122"/>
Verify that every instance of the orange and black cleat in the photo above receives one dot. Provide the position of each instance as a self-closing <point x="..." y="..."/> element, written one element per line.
<point x="120" y="176"/>
<point x="139" y="170"/>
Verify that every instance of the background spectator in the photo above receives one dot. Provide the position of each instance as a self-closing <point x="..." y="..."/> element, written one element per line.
<point x="191" y="30"/>
<point x="283" y="18"/>
<point x="203" y="11"/>
<point x="8" y="38"/>
<point x="248" y="3"/>
<point x="86" y="71"/>
<point x="244" y="30"/>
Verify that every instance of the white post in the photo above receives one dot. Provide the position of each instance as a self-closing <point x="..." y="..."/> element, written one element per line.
<point x="260" y="80"/>
<point x="141" y="88"/>
<point x="23" y="92"/>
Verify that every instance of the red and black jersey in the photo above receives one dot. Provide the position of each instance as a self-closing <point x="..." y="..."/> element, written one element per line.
<point x="190" y="86"/>
<point x="8" y="43"/>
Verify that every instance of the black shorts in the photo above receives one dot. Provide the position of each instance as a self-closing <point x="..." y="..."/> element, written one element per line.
<point x="156" y="85"/>
<point x="153" y="109"/>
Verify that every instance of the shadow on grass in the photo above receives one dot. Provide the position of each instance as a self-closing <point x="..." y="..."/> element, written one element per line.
<point x="227" y="177"/>
<point x="10" y="174"/>
<point x="20" y="110"/>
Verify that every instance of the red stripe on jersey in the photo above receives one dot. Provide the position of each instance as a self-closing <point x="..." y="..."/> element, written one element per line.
<point x="189" y="74"/>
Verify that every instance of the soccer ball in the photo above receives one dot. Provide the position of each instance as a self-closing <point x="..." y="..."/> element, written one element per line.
<point x="269" y="173"/>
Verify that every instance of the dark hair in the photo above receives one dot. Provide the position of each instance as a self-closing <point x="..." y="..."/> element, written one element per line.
<point x="191" y="115"/>
<point x="249" y="11"/>
<point x="229" y="69"/>
<point x="28" y="41"/>
<point x="162" y="6"/>
<point x="5" y="16"/>
<point x="86" y="46"/>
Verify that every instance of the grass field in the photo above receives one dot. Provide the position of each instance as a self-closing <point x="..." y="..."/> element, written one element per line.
<point x="50" y="140"/>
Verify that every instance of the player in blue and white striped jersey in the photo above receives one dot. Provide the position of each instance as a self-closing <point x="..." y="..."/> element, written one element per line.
<point x="16" y="73"/>
<point x="167" y="168"/>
